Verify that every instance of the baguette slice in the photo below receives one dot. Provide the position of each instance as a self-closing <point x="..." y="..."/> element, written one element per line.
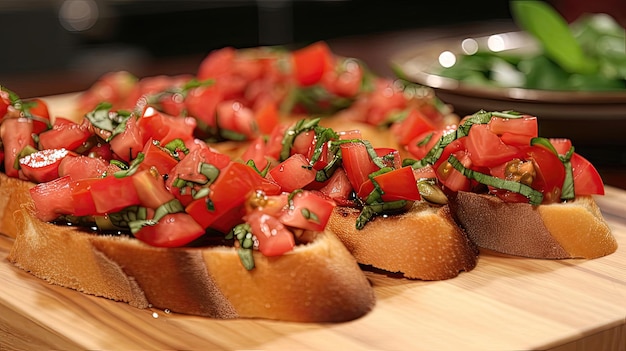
<point x="423" y="243"/>
<point x="13" y="193"/>
<point x="316" y="282"/>
<point x="575" y="229"/>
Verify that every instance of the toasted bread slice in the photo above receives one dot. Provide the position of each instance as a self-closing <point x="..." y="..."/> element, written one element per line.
<point x="423" y="243"/>
<point x="573" y="229"/>
<point x="316" y="282"/>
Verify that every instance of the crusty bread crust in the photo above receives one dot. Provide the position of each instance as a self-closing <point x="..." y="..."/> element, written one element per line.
<point x="13" y="193"/>
<point x="316" y="282"/>
<point x="423" y="243"/>
<point x="575" y="229"/>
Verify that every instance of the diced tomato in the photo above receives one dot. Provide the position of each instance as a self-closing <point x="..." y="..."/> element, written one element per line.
<point x="486" y="149"/>
<point x="422" y="144"/>
<point x="129" y="143"/>
<point x="113" y="87"/>
<point x="157" y="157"/>
<point x="385" y="98"/>
<point x="256" y="152"/>
<point x="550" y="173"/>
<point x="150" y="188"/>
<point x="266" y="116"/>
<point x="357" y="163"/>
<point x="338" y="186"/>
<point x="5" y="102"/>
<point x="64" y="134"/>
<point x="308" y="211"/>
<point x="233" y="116"/>
<point x="293" y="173"/>
<point x="303" y="143"/>
<point x="217" y="63"/>
<point x="398" y="184"/>
<point x="16" y="134"/>
<point x="43" y="166"/>
<point x="525" y="125"/>
<point x="345" y="80"/>
<point x="37" y="109"/>
<point x="81" y="197"/>
<point x="173" y="230"/>
<point x="111" y="194"/>
<point x="202" y="103"/>
<point x="311" y="62"/>
<point x="449" y="176"/>
<point x="163" y="128"/>
<point x="80" y="167"/>
<point x="562" y="145"/>
<point x="416" y="123"/>
<point x="587" y="180"/>
<point x="52" y="199"/>
<point x="273" y="237"/>
<point x="227" y="196"/>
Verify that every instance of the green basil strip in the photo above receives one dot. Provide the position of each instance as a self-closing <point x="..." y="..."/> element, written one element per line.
<point x="535" y="197"/>
<point x="300" y="127"/>
<point x="370" y="211"/>
<point x="567" y="189"/>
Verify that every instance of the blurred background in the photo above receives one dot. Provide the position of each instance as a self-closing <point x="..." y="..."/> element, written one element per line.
<point x="81" y="39"/>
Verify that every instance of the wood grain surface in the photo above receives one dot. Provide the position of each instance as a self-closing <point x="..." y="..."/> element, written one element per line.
<point x="505" y="303"/>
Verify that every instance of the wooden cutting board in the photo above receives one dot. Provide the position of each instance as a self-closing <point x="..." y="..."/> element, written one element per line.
<point x="505" y="303"/>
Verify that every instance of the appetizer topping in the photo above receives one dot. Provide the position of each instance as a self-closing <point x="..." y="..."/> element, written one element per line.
<point x="501" y="153"/>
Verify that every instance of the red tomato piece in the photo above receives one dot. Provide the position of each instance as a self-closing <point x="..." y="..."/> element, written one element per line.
<point x="266" y="116"/>
<point x="256" y="152"/>
<point x="151" y="189"/>
<point x="550" y="173"/>
<point x="525" y="125"/>
<point x="43" y="166"/>
<point x="308" y="211"/>
<point x="16" y="134"/>
<point x="173" y="230"/>
<point x="561" y="145"/>
<point x="65" y="134"/>
<point x="81" y="197"/>
<point x="311" y="62"/>
<point x="357" y="163"/>
<point x="273" y="237"/>
<point x="52" y="199"/>
<point x="235" y="117"/>
<point x="398" y="184"/>
<point x="416" y="123"/>
<point x="228" y="194"/>
<point x="129" y="143"/>
<point x="157" y="157"/>
<point x="202" y="103"/>
<point x="38" y="111"/>
<point x="80" y="167"/>
<point x="345" y="80"/>
<point x="293" y="173"/>
<point x="486" y="149"/>
<point x="337" y="187"/>
<point x="163" y="128"/>
<point x="111" y="194"/>
<point x="587" y="180"/>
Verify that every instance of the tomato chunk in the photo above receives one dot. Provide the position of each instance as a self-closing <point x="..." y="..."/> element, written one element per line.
<point x="43" y="166"/>
<point x="173" y="230"/>
<point x="52" y="199"/>
<point x="273" y="237"/>
<point x="112" y="194"/>
<point x="308" y="211"/>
